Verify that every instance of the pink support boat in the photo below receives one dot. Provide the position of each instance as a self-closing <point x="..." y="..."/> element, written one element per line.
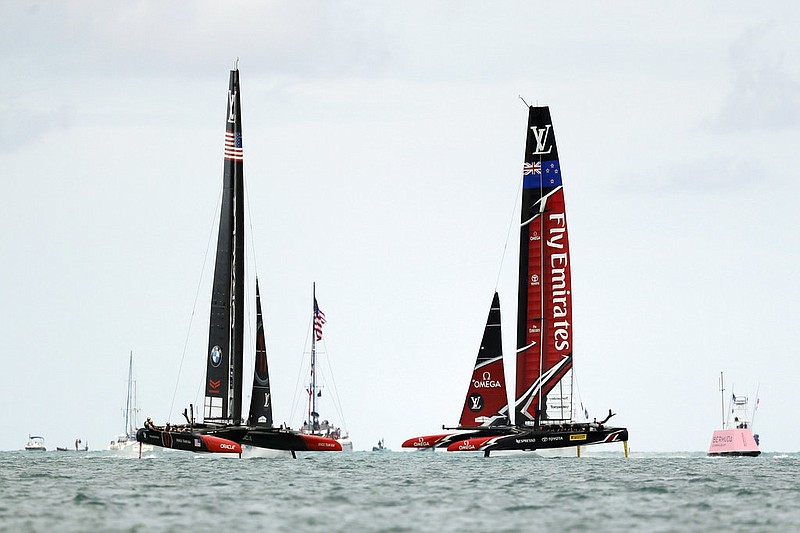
<point x="736" y="437"/>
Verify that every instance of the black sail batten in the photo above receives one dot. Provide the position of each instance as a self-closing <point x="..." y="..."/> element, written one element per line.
<point x="261" y="399"/>
<point x="223" y="398"/>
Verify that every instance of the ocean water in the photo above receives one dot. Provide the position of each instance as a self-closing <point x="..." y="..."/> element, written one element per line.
<point x="418" y="491"/>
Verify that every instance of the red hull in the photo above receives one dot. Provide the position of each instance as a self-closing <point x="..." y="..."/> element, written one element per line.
<point x="219" y="445"/>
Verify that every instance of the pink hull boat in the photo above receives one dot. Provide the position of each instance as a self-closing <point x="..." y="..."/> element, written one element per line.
<point x="733" y="442"/>
<point x="737" y="439"/>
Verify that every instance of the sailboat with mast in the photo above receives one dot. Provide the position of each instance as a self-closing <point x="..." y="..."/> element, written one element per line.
<point x="222" y="428"/>
<point x="312" y="425"/>
<point x="126" y="441"/>
<point x="543" y="414"/>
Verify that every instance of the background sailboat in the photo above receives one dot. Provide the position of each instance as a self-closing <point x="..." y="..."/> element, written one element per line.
<point x="313" y="422"/>
<point x="126" y="441"/>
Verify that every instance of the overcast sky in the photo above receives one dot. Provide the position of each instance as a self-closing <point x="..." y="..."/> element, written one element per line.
<point x="383" y="146"/>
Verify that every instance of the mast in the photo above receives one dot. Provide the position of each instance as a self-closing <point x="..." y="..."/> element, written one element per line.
<point x="313" y="414"/>
<point x="223" y="398"/>
<point x="128" y="406"/>
<point x="316" y="335"/>
<point x="237" y="168"/>
<point x="722" y="399"/>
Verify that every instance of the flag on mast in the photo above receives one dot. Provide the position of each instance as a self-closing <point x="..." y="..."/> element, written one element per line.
<point x="319" y="320"/>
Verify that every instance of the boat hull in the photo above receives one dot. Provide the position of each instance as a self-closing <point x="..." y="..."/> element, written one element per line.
<point x="733" y="442"/>
<point x="527" y="440"/>
<point x="283" y="439"/>
<point x="443" y="440"/>
<point x="223" y="440"/>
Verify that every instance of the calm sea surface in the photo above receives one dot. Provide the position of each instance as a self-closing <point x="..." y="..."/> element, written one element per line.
<point x="422" y="491"/>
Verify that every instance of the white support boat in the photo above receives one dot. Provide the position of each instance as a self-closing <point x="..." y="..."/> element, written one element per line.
<point x="35" y="444"/>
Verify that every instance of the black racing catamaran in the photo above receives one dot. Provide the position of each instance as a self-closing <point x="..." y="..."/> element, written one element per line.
<point x="222" y="428"/>
<point x="543" y="408"/>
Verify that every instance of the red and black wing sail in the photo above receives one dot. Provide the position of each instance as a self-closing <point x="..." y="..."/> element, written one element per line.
<point x="544" y="313"/>
<point x="261" y="399"/>
<point x="223" y="398"/>
<point x="486" y="403"/>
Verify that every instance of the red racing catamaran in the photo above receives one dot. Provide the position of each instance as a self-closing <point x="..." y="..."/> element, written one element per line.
<point x="543" y="406"/>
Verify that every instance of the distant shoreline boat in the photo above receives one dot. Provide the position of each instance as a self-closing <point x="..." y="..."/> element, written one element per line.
<point x="544" y="408"/>
<point x="381" y="447"/>
<point x="35" y="444"/>
<point x="736" y="437"/>
<point x="77" y="448"/>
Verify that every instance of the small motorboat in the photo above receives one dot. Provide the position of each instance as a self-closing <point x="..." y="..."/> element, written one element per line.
<point x="35" y="444"/>
<point x="381" y="447"/>
<point x="77" y="448"/>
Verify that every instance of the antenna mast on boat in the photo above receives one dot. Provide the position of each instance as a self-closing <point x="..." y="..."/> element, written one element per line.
<point x="722" y="399"/>
<point x="128" y="405"/>
<point x="313" y="415"/>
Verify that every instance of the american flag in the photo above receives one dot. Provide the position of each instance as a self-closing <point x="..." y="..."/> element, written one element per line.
<point x="531" y="168"/>
<point x="233" y="146"/>
<point x="319" y="320"/>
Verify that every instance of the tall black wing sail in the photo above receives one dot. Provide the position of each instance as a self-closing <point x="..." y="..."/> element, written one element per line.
<point x="223" y="398"/>
<point x="261" y="399"/>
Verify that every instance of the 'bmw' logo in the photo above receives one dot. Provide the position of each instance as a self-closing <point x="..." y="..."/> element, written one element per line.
<point x="216" y="356"/>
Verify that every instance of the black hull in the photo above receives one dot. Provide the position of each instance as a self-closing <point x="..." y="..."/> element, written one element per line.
<point x="189" y="441"/>
<point x="735" y="454"/>
<point x="277" y="439"/>
<point x="545" y="440"/>
<point x="475" y="433"/>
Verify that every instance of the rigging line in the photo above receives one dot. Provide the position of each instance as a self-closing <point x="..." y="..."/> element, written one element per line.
<point x="250" y="222"/>
<point x="337" y="401"/>
<point x="194" y="305"/>
<point x="578" y="391"/>
<point x="297" y="385"/>
<point x="755" y="407"/>
<point x="249" y="294"/>
<point x="508" y="233"/>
